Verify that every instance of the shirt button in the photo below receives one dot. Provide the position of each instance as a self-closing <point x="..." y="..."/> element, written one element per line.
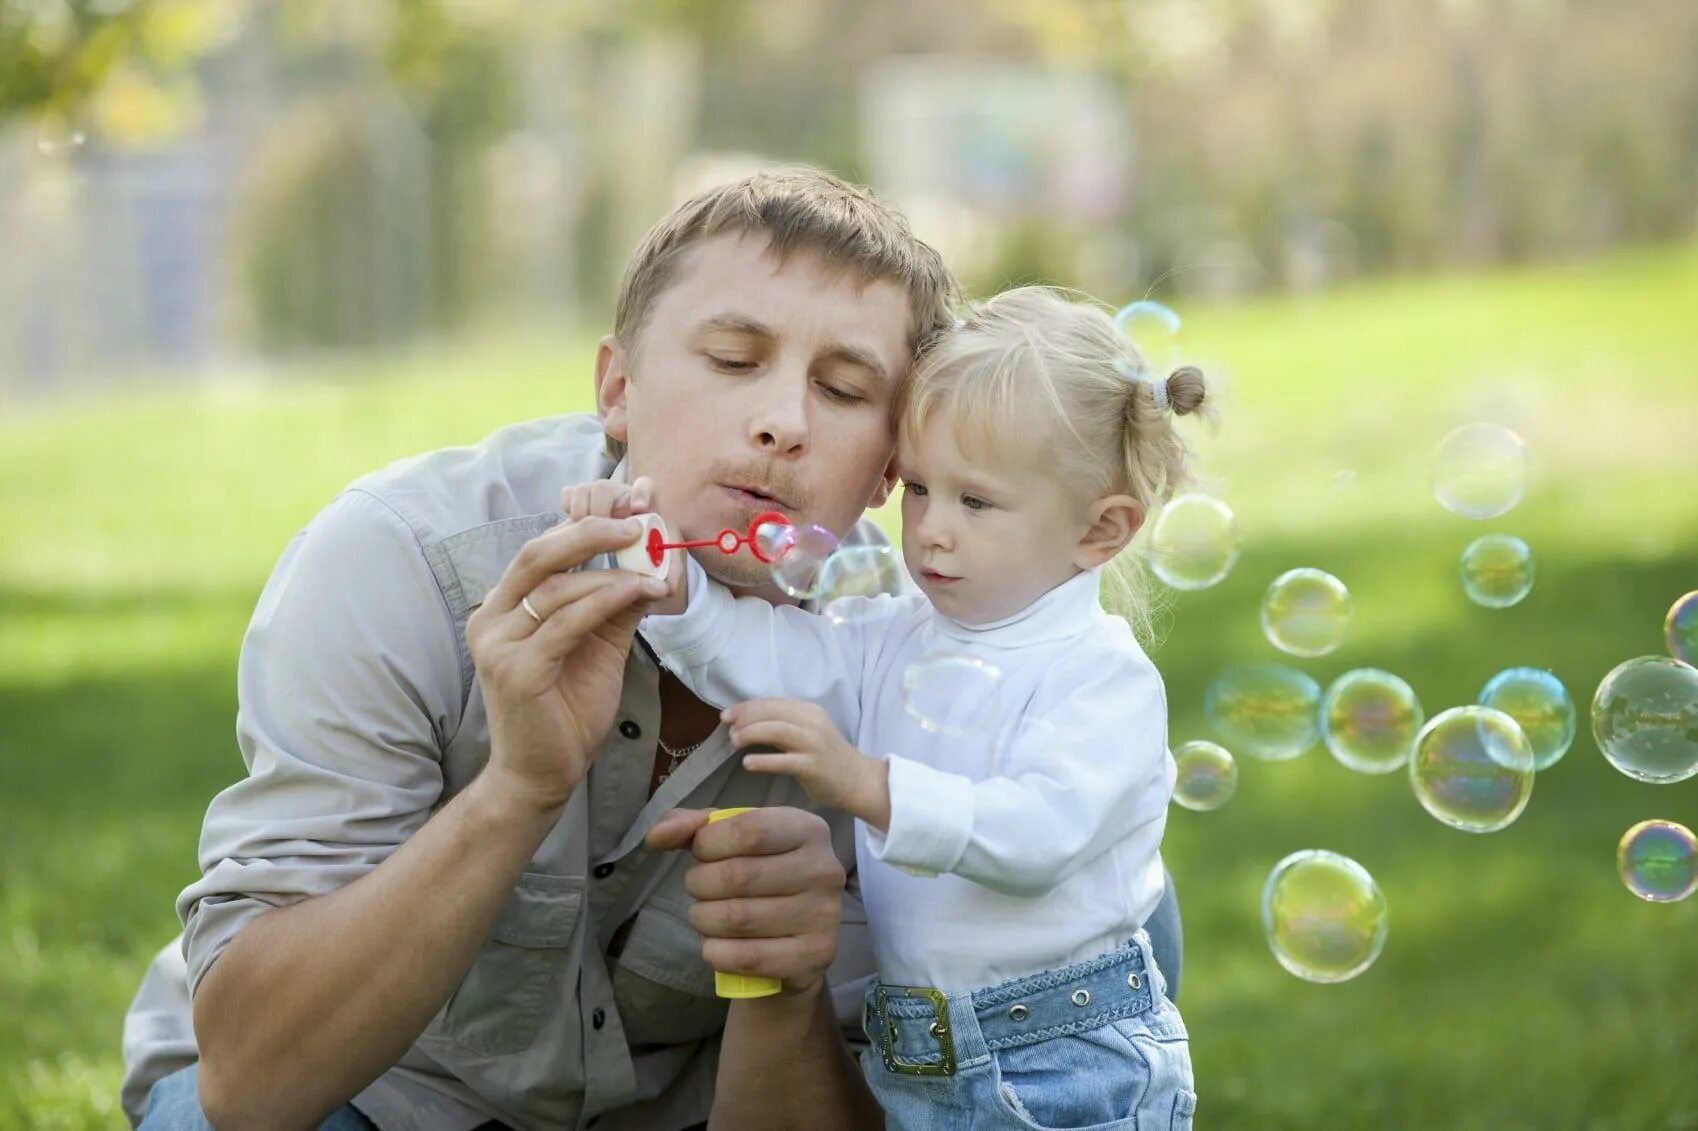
<point x="630" y="729"/>
<point x="602" y="871"/>
<point x="598" y="1018"/>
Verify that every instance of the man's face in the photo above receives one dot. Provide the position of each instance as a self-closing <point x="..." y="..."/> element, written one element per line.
<point x="756" y="387"/>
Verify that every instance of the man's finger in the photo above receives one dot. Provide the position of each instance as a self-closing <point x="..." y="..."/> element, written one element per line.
<point x="562" y="631"/>
<point x="676" y="829"/>
<point x="559" y="550"/>
<point x="763" y="917"/>
<point x="763" y="832"/>
<point x="752" y="877"/>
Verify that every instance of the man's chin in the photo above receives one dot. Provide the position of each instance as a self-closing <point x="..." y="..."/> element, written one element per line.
<point x="738" y="571"/>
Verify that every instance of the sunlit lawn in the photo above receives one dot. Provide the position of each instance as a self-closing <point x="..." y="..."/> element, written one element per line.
<point x="1521" y="986"/>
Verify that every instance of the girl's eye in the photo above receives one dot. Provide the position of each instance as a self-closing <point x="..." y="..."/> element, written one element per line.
<point x="916" y="489"/>
<point x="973" y="503"/>
<point x="730" y="365"/>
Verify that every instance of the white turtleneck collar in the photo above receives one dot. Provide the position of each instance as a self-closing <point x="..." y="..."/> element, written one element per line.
<point x="1064" y="611"/>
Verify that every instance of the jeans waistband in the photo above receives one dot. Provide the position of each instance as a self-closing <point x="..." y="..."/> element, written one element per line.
<point x="920" y="1028"/>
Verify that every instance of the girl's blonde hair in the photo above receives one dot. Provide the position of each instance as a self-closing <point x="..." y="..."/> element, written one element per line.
<point x="1032" y="373"/>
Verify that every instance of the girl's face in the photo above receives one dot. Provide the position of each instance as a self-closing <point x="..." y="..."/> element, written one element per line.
<point x="984" y="539"/>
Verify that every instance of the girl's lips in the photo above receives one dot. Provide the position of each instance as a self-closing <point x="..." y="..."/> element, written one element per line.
<point x="936" y="578"/>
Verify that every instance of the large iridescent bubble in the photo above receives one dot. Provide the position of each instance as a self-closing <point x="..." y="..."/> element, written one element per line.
<point x="1645" y="719"/>
<point x="852" y="575"/>
<point x="1658" y="861"/>
<point x="948" y="693"/>
<point x="1306" y="612"/>
<point x="1324" y="915"/>
<point x="1540" y="705"/>
<point x="798" y="555"/>
<point x="1369" y="720"/>
<point x="1472" y="769"/>
<point x="1194" y="542"/>
<point x="1480" y="470"/>
<point x="1268" y="711"/>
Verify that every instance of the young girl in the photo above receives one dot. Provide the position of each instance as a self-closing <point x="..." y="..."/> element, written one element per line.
<point x="1008" y="833"/>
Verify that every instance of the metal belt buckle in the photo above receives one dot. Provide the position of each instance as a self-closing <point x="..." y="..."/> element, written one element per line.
<point x="939" y="1028"/>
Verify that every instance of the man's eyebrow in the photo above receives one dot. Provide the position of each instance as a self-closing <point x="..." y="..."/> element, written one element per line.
<point x="737" y="323"/>
<point x="855" y="355"/>
<point x="837" y="351"/>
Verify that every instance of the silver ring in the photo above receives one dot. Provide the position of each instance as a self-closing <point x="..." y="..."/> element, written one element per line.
<point x="525" y="603"/>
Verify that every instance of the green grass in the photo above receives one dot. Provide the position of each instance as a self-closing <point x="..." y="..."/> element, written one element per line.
<point x="1522" y="987"/>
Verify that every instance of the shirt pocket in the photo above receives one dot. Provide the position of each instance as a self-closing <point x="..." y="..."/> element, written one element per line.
<point x="500" y="1003"/>
<point x="663" y="989"/>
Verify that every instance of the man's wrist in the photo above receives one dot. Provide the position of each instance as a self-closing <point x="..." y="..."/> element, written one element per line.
<point x="503" y="798"/>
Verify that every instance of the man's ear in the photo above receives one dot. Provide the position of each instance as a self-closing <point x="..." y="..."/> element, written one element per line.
<point x="886" y="484"/>
<point x="612" y="382"/>
<point x="1113" y="519"/>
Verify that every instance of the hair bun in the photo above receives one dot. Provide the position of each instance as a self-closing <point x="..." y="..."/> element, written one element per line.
<point x="1186" y="390"/>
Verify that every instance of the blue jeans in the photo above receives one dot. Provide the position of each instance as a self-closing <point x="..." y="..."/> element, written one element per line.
<point x="174" y="1105"/>
<point x="1096" y="1044"/>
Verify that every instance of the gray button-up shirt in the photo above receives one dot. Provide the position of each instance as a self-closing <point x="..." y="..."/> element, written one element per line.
<point x="360" y="716"/>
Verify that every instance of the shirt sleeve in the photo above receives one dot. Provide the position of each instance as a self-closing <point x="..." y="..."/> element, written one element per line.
<point x="348" y="687"/>
<point x="1088" y="766"/>
<point x="727" y="648"/>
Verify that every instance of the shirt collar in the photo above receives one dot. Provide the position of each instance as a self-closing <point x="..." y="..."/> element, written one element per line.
<point x="1064" y="611"/>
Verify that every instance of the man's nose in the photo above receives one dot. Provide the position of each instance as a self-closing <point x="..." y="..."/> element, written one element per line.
<point x="779" y="426"/>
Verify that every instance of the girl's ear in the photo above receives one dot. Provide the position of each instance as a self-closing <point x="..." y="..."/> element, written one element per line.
<point x="1114" y="520"/>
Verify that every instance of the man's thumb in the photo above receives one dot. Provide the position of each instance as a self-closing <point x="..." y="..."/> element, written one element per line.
<point x="676" y="829"/>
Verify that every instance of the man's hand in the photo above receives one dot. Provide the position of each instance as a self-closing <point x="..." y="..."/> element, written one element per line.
<point x="812" y="751"/>
<point x="549" y="645"/>
<point x="768" y="891"/>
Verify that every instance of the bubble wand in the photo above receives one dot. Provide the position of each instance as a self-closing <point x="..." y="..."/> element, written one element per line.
<point x="648" y="554"/>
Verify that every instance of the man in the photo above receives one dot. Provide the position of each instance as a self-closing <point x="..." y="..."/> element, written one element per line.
<point x="445" y="895"/>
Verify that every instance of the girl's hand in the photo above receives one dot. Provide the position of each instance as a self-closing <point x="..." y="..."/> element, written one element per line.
<point x="812" y="751"/>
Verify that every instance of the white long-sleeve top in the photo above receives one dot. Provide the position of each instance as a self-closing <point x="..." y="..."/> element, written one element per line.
<point x="1026" y="815"/>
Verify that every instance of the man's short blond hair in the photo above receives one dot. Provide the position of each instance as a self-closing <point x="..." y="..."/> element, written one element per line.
<point x="798" y="209"/>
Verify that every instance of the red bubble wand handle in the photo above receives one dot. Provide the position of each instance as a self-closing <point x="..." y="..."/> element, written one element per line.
<point x="728" y="542"/>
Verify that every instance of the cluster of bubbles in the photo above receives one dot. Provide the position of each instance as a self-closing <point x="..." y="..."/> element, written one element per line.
<point x="1471" y="767"/>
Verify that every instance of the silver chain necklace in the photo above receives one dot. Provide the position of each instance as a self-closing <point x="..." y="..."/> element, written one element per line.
<point x="675" y="758"/>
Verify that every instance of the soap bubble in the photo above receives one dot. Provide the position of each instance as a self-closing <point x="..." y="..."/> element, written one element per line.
<point x="1306" y="612"/>
<point x="1658" y="861"/>
<point x="952" y="694"/>
<point x="1369" y="720"/>
<point x="1497" y="571"/>
<point x="1480" y="470"/>
<point x="1268" y="711"/>
<point x="1680" y="628"/>
<point x="1194" y="542"/>
<point x="1473" y="769"/>
<point x="1540" y="706"/>
<point x="1207" y="776"/>
<point x="1645" y="719"/>
<point x="797" y="554"/>
<point x="857" y="572"/>
<point x="1324" y="915"/>
<point x="1154" y="330"/>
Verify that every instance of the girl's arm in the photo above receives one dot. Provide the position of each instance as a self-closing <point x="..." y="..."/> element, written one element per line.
<point x="727" y="649"/>
<point x="1088" y="765"/>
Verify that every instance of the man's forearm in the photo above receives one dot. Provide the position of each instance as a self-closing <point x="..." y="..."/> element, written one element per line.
<point x="783" y="1064"/>
<point x="310" y="1003"/>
